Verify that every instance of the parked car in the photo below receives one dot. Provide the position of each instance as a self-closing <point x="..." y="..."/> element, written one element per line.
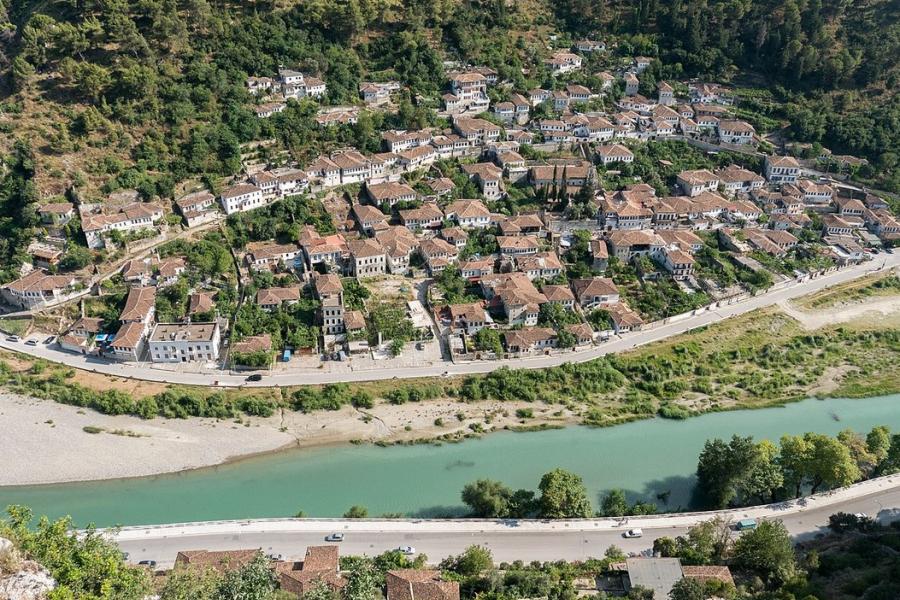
<point x="12" y="338"/>
<point x="334" y="537"/>
<point x="31" y="342"/>
<point x="861" y="516"/>
<point x="408" y="550"/>
<point x="254" y="377"/>
<point x="633" y="533"/>
<point x="49" y="340"/>
<point x="148" y="563"/>
<point x="745" y="524"/>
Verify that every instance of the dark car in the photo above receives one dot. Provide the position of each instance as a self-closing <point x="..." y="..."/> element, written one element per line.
<point x="148" y="563"/>
<point x="254" y="377"/>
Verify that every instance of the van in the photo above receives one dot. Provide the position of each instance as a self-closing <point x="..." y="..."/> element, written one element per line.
<point x="745" y="524"/>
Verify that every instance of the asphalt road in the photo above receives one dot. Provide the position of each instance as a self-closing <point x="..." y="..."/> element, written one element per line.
<point x="508" y="541"/>
<point x="626" y="341"/>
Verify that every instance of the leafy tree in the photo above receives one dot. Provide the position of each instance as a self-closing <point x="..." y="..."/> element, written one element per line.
<point x="190" y="584"/>
<point x="22" y="72"/>
<point x="891" y="462"/>
<point x="321" y="591"/>
<point x="722" y="467"/>
<point x="487" y="498"/>
<point x="362" y="582"/>
<point x="878" y="442"/>
<point x="472" y="562"/>
<point x="794" y="459"/>
<point x="764" y="478"/>
<point x="84" y="565"/>
<point x="563" y="496"/>
<point x="614" y="504"/>
<point x="688" y="588"/>
<point x="488" y="340"/>
<point x="553" y="314"/>
<point x="563" y="590"/>
<point x="767" y="551"/>
<point x="356" y="512"/>
<point x="76" y="257"/>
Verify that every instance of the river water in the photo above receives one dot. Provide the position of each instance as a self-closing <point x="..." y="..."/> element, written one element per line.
<point x="645" y="458"/>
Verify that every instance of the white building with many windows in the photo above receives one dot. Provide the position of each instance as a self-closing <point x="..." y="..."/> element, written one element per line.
<point x="184" y="342"/>
<point x="241" y="197"/>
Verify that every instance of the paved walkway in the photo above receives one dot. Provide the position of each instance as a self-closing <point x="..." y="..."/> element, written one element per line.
<point x="508" y="539"/>
<point x="675" y="326"/>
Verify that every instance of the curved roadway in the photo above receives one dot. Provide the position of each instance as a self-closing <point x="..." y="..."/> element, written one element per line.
<point x="507" y="540"/>
<point x="675" y="326"/>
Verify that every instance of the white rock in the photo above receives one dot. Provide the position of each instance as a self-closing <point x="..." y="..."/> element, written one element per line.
<point x="30" y="582"/>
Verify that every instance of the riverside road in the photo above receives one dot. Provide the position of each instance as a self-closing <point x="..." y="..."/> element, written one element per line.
<point x="507" y="540"/>
<point x="675" y="326"/>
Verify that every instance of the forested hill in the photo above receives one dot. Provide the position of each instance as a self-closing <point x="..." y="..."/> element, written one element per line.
<point x="163" y="80"/>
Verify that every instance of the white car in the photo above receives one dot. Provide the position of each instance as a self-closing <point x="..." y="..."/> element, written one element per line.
<point x="334" y="537"/>
<point x="633" y="533"/>
<point x="861" y="516"/>
<point x="406" y="550"/>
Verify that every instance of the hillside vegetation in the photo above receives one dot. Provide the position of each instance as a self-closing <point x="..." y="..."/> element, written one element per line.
<point x="113" y="93"/>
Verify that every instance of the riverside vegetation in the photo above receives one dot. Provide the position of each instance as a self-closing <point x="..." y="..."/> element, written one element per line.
<point x="759" y="359"/>
<point x="739" y="472"/>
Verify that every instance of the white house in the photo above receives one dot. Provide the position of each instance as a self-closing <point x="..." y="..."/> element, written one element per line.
<point x="241" y="197"/>
<point x="184" y="342"/>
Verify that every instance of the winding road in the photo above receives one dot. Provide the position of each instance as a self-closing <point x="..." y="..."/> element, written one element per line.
<point x="525" y="540"/>
<point x="653" y="333"/>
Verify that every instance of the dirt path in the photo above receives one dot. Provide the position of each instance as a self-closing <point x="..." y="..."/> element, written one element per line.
<point x="841" y="313"/>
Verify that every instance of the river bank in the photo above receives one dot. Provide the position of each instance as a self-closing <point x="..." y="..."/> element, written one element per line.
<point x="45" y="442"/>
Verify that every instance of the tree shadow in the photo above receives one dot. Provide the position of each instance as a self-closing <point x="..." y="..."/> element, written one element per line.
<point x="665" y="493"/>
<point x="439" y="512"/>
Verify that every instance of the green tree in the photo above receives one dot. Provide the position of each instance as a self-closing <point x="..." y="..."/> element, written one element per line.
<point x="471" y="563"/>
<point x="22" y="72"/>
<point x="722" y="467"/>
<point x="76" y="257"/>
<point x="764" y="477"/>
<point x="356" y="512"/>
<point x="487" y="498"/>
<point x="488" y="340"/>
<point x="767" y="551"/>
<point x="891" y="462"/>
<point x="562" y="590"/>
<point x="84" y="565"/>
<point x="831" y="464"/>
<point x="553" y="314"/>
<point x="563" y="496"/>
<point x="362" y="582"/>
<point x="794" y="458"/>
<point x="190" y="584"/>
<point x="614" y="504"/>
<point x="705" y="543"/>
<point x="321" y="591"/>
<point x="688" y="588"/>
<point x="878" y="442"/>
<point x="253" y="581"/>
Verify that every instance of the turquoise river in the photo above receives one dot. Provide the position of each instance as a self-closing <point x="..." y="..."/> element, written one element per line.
<point x="645" y="458"/>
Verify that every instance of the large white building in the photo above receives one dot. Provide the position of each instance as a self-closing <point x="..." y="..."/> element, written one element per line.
<point x="782" y="169"/>
<point x="241" y="197"/>
<point x="132" y="217"/>
<point x="184" y="342"/>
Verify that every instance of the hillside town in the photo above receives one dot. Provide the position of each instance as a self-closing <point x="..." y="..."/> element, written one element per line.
<point x="524" y="226"/>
